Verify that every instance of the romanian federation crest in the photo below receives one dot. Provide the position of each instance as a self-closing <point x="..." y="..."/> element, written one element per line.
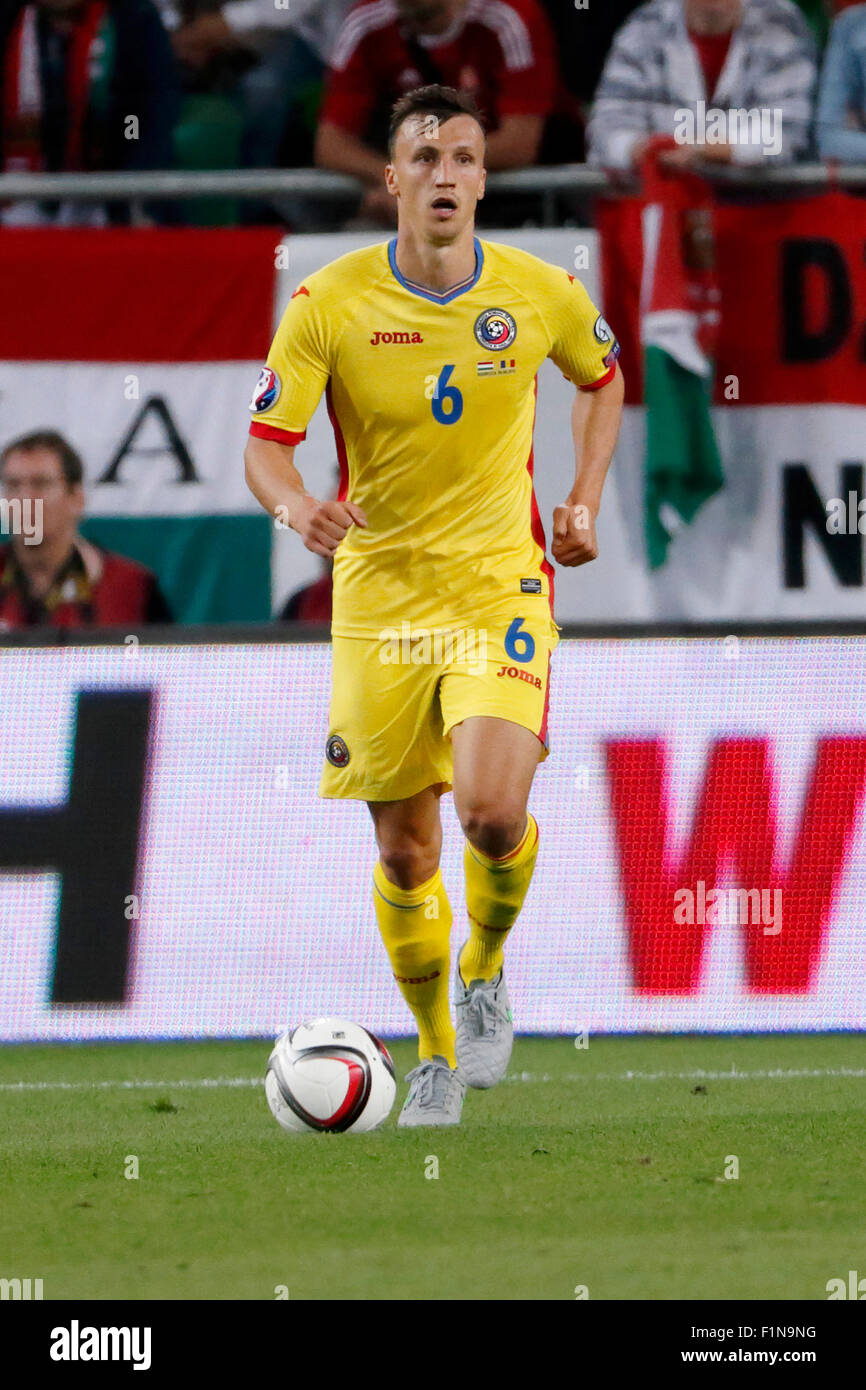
<point x="336" y="751"/>
<point x="495" y="329"/>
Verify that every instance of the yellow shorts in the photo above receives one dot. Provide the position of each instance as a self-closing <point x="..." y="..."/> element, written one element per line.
<point x="394" y="702"/>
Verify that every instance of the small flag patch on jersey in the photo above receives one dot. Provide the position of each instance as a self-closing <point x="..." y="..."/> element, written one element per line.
<point x="497" y="368"/>
<point x="486" y="368"/>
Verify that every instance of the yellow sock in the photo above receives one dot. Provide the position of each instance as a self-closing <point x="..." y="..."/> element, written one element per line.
<point x="495" y="890"/>
<point x="415" y="924"/>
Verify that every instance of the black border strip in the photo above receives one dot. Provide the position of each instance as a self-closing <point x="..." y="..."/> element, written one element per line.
<point x="233" y="634"/>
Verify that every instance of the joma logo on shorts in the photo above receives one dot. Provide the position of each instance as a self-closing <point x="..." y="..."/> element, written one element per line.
<point x="417" y="979"/>
<point x="521" y="675"/>
<point x="378" y="338"/>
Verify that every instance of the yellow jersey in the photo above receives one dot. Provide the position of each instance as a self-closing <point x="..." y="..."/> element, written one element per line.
<point x="432" y="400"/>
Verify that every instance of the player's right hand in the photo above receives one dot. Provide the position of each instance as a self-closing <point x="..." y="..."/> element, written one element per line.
<point x="322" y="525"/>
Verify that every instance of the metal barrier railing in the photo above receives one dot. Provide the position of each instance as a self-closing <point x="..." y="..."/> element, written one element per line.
<point x="317" y="183"/>
<point x="261" y="183"/>
<point x="257" y="183"/>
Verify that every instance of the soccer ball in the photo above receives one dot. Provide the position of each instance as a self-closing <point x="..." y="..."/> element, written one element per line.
<point x="330" y="1075"/>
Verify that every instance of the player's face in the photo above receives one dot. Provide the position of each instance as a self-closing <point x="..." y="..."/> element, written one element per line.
<point x="438" y="175"/>
<point x="37" y="474"/>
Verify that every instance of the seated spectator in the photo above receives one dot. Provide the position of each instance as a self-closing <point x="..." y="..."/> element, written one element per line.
<point x="274" y="57"/>
<point x="49" y="574"/>
<point x="312" y="603"/>
<point x="674" y="62"/>
<point x="90" y="85"/>
<point x="841" y="116"/>
<point x="499" y="53"/>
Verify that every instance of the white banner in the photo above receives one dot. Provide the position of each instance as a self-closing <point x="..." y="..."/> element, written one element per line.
<point x="162" y="418"/>
<point x="760" y="548"/>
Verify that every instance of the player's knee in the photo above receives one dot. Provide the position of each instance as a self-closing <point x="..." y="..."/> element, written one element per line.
<point x="408" y="863"/>
<point x="495" y="830"/>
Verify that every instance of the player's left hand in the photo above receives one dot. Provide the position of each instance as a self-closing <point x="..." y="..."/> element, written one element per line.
<point x="574" y="541"/>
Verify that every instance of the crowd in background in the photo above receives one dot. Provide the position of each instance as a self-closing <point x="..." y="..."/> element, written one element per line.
<point x="192" y="84"/>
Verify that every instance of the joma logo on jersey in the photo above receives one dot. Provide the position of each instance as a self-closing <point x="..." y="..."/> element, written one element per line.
<point x="521" y="675"/>
<point x="378" y="338"/>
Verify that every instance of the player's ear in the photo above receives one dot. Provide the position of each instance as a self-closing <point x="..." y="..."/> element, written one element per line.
<point x="482" y="184"/>
<point x="391" y="180"/>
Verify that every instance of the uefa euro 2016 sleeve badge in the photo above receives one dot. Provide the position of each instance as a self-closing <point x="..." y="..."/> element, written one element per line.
<point x="495" y="329"/>
<point x="267" y="391"/>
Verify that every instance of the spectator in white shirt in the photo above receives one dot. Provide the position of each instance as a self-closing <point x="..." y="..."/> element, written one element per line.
<point x="673" y="61"/>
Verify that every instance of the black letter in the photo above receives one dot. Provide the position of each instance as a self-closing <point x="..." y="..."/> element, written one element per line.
<point x="92" y="842"/>
<point x="800" y="343"/>
<point x="802" y="507"/>
<point x="174" y="444"/>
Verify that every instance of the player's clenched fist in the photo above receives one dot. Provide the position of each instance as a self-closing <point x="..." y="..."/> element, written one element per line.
<point x="574" y="541"/>
<point x="322" y="525"/>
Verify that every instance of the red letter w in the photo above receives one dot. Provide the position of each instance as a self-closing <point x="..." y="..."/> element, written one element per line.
<point x="734" y="830"/>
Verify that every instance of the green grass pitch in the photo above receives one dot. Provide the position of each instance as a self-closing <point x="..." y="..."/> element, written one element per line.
<point x="602" y="1168"/>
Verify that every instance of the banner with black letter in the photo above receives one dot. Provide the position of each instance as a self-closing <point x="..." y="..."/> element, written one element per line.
<point x="785" y="536"/>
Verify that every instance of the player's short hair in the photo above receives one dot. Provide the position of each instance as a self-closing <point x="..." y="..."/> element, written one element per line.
<point x="70" y="461"/>
<point x="435" y="100"/>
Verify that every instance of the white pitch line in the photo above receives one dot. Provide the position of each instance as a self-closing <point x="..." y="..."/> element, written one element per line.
<point x="777" y="1074"/>
<point x="199" y="1083"/>
<point x="138" y="1085"/>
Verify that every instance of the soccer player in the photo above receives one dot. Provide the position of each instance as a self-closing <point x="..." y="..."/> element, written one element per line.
<point x="428" y="349"/>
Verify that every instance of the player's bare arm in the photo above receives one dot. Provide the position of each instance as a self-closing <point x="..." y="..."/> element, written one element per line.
<point x="516" y="143"/>
<point x="343" y="152"/>
<point x="274" y="481"/>
<point x="595" y="421"/>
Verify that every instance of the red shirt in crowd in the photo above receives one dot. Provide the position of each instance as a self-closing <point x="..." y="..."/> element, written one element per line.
<point x="93" y="589"/>
<point x="500" y="52"/>
<point x="712" y="50"/>
<point x="311" y="604"/>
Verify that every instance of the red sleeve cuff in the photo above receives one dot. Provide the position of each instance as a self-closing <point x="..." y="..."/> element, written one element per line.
<point x="263" y="431"/>
<point x="602" y="381"/>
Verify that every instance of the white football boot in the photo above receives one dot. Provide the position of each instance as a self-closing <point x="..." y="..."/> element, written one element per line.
<point x="485" y="1030"/>
<point x="435" y="1095"/>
